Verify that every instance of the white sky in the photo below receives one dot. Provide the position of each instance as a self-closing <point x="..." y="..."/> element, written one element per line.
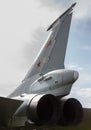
<point x="23" y="25"/>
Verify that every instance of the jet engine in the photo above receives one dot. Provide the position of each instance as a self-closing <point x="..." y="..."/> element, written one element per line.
<point x="71" y="112"/>
<point x="47" y="109"/>
<point x="44" y="109"/>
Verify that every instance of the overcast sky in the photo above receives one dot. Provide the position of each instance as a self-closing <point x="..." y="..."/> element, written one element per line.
<point x="23" y="25"/>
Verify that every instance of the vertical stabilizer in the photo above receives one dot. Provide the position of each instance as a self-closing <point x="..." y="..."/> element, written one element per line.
<point x="52" y="54"/>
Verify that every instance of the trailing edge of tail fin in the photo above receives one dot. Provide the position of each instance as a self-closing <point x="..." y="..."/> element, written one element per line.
<point x="52" y="54"/>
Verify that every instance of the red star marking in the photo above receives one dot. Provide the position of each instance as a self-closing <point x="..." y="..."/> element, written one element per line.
<point x="48" y="43"/>
<point x="38" y="64"/>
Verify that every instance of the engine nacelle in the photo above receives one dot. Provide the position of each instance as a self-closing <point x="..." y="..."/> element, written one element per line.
<point x="71" y="112"/>
<point x="44" y="109"/>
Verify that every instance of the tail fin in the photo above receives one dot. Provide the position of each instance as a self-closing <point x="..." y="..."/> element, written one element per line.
<point x="52" y="54"/>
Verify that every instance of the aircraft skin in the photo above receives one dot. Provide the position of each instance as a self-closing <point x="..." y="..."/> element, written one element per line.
<point x="40" y="99"/>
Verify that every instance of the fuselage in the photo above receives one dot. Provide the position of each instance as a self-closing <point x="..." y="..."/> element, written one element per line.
<point x="57" y="82"/>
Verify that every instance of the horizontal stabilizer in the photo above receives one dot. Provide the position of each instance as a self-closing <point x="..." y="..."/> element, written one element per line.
<point x="7" y="109"/>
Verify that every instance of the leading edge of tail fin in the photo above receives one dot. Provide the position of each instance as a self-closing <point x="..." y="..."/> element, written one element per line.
<point x="61" y="16"/>
<point x="52" y="54"/>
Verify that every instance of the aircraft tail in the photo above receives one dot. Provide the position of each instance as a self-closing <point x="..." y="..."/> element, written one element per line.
<point x="52" y="54"/>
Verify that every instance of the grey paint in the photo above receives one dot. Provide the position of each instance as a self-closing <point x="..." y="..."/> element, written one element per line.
<point x="46" y="76"/>
<point x="51" y="56"/>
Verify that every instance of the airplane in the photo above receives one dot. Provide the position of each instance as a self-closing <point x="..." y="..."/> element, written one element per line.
<point x="41" y="98"/>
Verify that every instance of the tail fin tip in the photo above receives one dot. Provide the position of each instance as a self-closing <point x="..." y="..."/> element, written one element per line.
<point x="68" y="10"/>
